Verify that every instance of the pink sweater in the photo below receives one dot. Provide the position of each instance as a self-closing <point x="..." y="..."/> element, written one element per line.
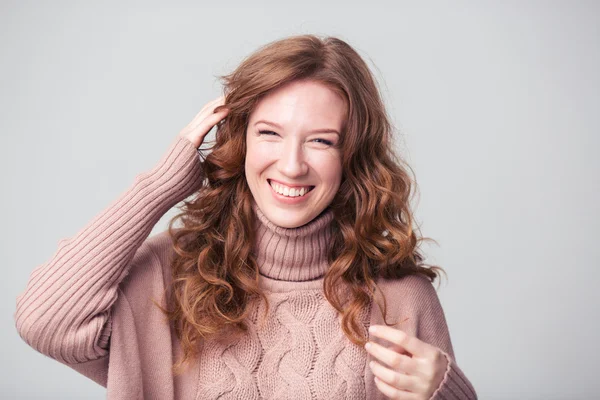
<point x="89" y="308"/>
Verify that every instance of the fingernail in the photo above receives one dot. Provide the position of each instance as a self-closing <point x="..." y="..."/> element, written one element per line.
<point x="372" y="329"/>
<point x="368" y="345"/>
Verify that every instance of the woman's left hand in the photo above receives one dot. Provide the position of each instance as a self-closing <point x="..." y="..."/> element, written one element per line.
<point x="416" y="368"/>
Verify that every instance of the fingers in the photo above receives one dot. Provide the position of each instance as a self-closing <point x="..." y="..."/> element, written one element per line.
<point x="400" y="338"/>
<point x="209" y="108"/>
<point x="204" y="121"/>
<point x="211" y="105"/>
<point x="397" y="361"/>
<point x="394" y="393"/>
<point x="393" y="378"/>
<point x="214" y="118"/>
<point x="207" y="124"/>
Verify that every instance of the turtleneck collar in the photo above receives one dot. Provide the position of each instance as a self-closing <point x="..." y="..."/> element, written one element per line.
<point x="292" y="254"/>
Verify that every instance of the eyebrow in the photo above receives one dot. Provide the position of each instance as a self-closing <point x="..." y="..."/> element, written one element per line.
<point x="323" y="130"/>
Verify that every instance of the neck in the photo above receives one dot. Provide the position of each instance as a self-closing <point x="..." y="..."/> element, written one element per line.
<point x="293" y="254"/>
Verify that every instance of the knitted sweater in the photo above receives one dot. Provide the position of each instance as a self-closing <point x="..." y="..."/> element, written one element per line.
<point x="89" y="307"/>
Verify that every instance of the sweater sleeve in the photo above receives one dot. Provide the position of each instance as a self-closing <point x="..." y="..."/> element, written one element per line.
<point x="65" y="310"/>
<point x="431" y="327"/>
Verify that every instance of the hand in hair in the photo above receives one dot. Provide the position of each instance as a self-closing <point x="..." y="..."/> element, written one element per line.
<point x="204" y="121"/>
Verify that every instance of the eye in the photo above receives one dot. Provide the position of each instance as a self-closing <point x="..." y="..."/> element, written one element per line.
<point x="327" y="142"/>
<point x="267" y="133"/>
<point x="271" y="133"/>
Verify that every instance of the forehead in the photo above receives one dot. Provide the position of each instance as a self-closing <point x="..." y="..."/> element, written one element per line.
<point x="307" y="104"/>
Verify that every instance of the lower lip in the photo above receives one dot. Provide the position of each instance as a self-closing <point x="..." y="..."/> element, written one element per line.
<point x="289" y="200"/>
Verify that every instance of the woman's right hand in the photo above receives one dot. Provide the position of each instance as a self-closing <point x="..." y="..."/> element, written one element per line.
<point x="204" y="121"/>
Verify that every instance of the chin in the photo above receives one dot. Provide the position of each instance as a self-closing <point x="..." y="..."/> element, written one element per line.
<point x="293" y="221"/>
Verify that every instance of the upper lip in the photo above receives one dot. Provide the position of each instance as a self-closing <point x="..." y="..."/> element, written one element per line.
<point x="289" y="185"/>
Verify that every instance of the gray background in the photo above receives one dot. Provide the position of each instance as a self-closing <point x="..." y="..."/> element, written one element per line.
<point x="497" y="107"/>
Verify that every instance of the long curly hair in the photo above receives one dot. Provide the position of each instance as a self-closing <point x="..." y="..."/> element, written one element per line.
<point x="215" y="274"/>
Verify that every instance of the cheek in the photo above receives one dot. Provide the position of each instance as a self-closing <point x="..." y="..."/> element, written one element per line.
<point x="329" y="167"/>
<point x="334" y="177"/>
<point x="258" y="157"/>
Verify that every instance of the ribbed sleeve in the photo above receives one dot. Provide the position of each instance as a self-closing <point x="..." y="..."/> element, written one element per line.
<point x="65" y="309"/>
<point x="455" y="385"/>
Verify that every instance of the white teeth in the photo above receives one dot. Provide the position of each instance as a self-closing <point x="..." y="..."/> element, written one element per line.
<point x="289" y="192"/>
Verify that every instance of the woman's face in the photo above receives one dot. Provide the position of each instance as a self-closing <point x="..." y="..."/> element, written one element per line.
<point x="290" y="140"/>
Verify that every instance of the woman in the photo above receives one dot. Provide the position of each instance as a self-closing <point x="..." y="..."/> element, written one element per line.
<point x="297" y="242"/>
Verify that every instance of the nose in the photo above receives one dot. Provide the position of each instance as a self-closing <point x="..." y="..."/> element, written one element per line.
<point x="292" y="161"/>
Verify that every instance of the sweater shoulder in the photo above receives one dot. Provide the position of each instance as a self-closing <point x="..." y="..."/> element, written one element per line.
<point x="407" y="298"/>
<point x="407" y="286"/>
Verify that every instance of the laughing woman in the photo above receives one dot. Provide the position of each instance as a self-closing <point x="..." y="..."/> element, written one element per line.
<point x="294" y="272"/>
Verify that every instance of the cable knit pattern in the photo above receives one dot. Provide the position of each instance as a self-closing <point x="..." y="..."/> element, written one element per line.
<point x="90" y="307"/>
<point x="300" y="351"/>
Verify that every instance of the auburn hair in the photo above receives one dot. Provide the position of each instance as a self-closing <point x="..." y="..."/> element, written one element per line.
<point x="215" y="275"/>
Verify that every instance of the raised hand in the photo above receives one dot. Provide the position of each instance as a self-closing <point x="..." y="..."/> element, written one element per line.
<point x="204" y="121"/>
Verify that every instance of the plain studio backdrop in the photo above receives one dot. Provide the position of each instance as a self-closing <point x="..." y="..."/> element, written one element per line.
<point x="496" y="106"/>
